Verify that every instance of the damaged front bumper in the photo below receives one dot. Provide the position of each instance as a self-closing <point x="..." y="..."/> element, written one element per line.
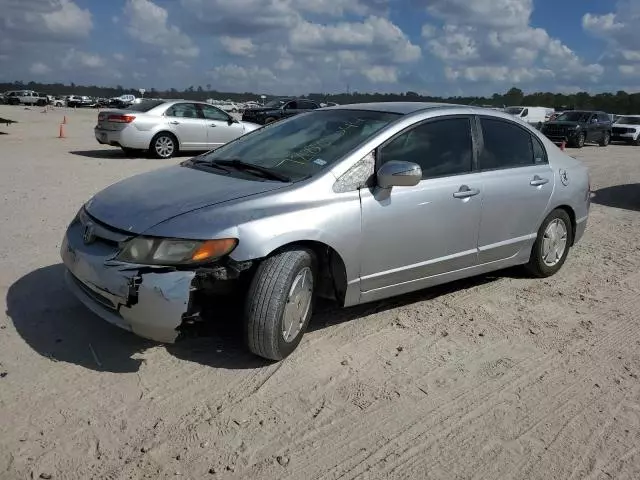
<point x="152" y="302"/>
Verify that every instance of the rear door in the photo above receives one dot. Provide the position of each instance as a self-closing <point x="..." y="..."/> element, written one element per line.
<point x="518" y="183"/>
<point x="219" y="126"/>
<point x="184" y="120"/>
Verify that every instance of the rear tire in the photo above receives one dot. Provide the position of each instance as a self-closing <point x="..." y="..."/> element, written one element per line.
<point x="605" y="140"/>
<point x="269" y="120"/>
<point x="546" y="257"/>
<point x="279" y="303"/>
<point x="163" y="145"/>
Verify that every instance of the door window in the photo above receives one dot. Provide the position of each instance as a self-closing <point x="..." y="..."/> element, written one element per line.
<point x="183" y="110"/>
<point x="441" y="147"/>
<point x="212" y="113"/>
<point x="306" y="105"/>
<point x="506" y="145"/>
<point x="291" y="105"/>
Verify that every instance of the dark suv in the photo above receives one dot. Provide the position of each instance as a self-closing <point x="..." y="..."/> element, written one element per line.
<point x="575" y="127"/>
<point x="278" y="109"/>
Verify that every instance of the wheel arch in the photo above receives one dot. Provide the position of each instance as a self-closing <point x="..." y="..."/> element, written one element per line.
<point x="572" y="216"/>
<point x="332" y="271"/>
<point x="167" y="132"/>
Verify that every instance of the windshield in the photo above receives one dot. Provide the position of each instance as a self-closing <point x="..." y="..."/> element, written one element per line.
<point x="305" y="144"/>
<point x="629" y="120"/>
<point x="277" y="103"/>
<point x="144" y="105"/>
<point x="573" y="117"/>
<point x="514" y="110"/>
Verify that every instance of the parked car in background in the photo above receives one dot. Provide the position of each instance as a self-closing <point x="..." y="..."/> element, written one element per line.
<point x="122" y="101"/>
<point x="79" y="101"/>
<point x="627" y="129"/>
<point x="535" y="116"/>
<point x="25" y="97"/>
<point x="576" y="127"/>
<point x="278" y="109"/>
<point x="58" y="101"/>
<point x="165" y="127"/>
<point x="355" y="203"/>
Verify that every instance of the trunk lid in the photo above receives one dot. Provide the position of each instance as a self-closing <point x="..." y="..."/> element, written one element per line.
<point x="116" y="119"/>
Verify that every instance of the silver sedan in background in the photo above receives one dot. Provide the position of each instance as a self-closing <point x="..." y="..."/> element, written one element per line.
<point x="355" y="203"/>
<point x="164" y="127"/>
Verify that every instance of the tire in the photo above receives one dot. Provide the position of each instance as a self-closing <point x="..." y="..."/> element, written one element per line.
<point x="290" y="271"/>
<point x="269" y="120"/>
<point x="579" y="142"/>
<point x="166" y="139"/>
<point x="636" y="142"/>
<point x="605" y="140"/>
<point x="537" y="265"/>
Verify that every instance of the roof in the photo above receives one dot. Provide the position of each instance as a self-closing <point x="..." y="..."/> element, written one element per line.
<point x="404" y="108"/>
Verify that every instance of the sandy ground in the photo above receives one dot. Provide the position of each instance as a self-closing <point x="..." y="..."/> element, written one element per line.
<point x="494" y="377"/>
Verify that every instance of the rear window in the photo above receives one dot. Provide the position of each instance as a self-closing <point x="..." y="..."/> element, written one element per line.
<point x="144" y="105"/>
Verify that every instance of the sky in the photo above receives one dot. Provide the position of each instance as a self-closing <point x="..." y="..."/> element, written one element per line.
<point x="433" y="47"/>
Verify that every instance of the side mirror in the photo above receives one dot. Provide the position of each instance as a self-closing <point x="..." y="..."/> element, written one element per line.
<point x="232" y="120"/>
<point x="399" y="174"/>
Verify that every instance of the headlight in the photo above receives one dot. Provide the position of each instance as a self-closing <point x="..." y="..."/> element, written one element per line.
<point x="169" y="251"/>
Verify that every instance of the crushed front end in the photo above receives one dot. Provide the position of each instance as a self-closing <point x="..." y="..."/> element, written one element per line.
<point x="155" y="302"/>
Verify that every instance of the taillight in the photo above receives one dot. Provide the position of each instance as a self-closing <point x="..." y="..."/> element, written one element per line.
<point x="121" y="118"/>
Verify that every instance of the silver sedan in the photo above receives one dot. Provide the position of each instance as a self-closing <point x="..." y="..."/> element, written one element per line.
<point x="165" y="127"/>
<point x="356" y="203"/>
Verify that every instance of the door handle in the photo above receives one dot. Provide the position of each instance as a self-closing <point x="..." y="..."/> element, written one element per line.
<point x="174" y="122"/>
<point x="212" y="125"/>
<point x="537" y="181"/>
<point x="466" y="192"/>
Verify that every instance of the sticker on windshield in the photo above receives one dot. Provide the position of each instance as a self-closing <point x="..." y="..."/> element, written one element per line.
<point x="319" y="161"/>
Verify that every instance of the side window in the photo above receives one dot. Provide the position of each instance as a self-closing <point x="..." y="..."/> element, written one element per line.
<point x="440" y="147"/>
<point x="603" y="118"/>
<point x="293" y="105"/>
<point x="525" y="112"/>
<point x="539" y="153"/>
<point x="307" y="105"/>
<point x="212" y="113"/>
<point x="506" y="145"/>
<point x="593" y="118"/>
<point x="182" y="110"/>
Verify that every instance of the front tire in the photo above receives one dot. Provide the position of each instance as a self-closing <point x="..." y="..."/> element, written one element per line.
<point x="163" y="145"/>
<point x="279" y="303"/>
<point x="269" y="120"/>
<point x="552" y="245"/>
<point x="606" y="139"/>
<point x="579" y="142"/>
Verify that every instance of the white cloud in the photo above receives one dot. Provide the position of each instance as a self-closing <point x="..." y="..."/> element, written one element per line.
<point x="39" y="68"/>
<point x="240" y="46"/>
<point x="493" y="41"/>
<point x="148" y="24"/>
<point x="53" y="20"/>
<point x="74" y="59"/>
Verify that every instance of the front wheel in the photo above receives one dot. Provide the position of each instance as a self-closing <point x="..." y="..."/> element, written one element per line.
<point x="163" y="145"/>
<point x="579" y="142"/>
<point x="605" y="139"/>
<point x="552" y="245"/>
<point x="279" y="303"/>
<point x="269" y="120"/>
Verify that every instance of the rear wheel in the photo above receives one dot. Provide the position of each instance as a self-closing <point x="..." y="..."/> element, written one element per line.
<point x="605" y="139"/>
<point x="269" y="120"/>
<point x="163" y="145"/>
<point x="279" y="303"/>
<point x="552" y="245"/>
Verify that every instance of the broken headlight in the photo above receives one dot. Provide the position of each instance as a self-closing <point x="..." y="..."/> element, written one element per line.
<point x="170" y="251"/>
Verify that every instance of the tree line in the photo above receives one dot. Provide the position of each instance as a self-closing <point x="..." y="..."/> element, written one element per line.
<point x="619" y="103"/>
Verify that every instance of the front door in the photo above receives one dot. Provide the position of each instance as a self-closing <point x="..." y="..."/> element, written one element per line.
<point x="411" y="233"/>
<point x="184" y="120"/>
<point x="220" y="126"/>
<point x="518" y="183"/>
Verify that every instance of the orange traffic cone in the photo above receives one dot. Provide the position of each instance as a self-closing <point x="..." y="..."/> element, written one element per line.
<point x="64" y="119"/>
<point x="61" y="134"/>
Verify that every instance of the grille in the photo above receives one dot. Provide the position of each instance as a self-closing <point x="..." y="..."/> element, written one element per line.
<point x="102" y="300"/>
<point x="554" y="130"/>
<point x="620" y="130"/>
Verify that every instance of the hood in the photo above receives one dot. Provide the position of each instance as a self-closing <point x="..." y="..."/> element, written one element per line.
<point x="626" y="125"/>
<point x="142" y="201"/>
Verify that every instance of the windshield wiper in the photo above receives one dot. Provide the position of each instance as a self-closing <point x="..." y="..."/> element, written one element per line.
<point x="207" y="163"/>
<point x="245" y="166"/>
